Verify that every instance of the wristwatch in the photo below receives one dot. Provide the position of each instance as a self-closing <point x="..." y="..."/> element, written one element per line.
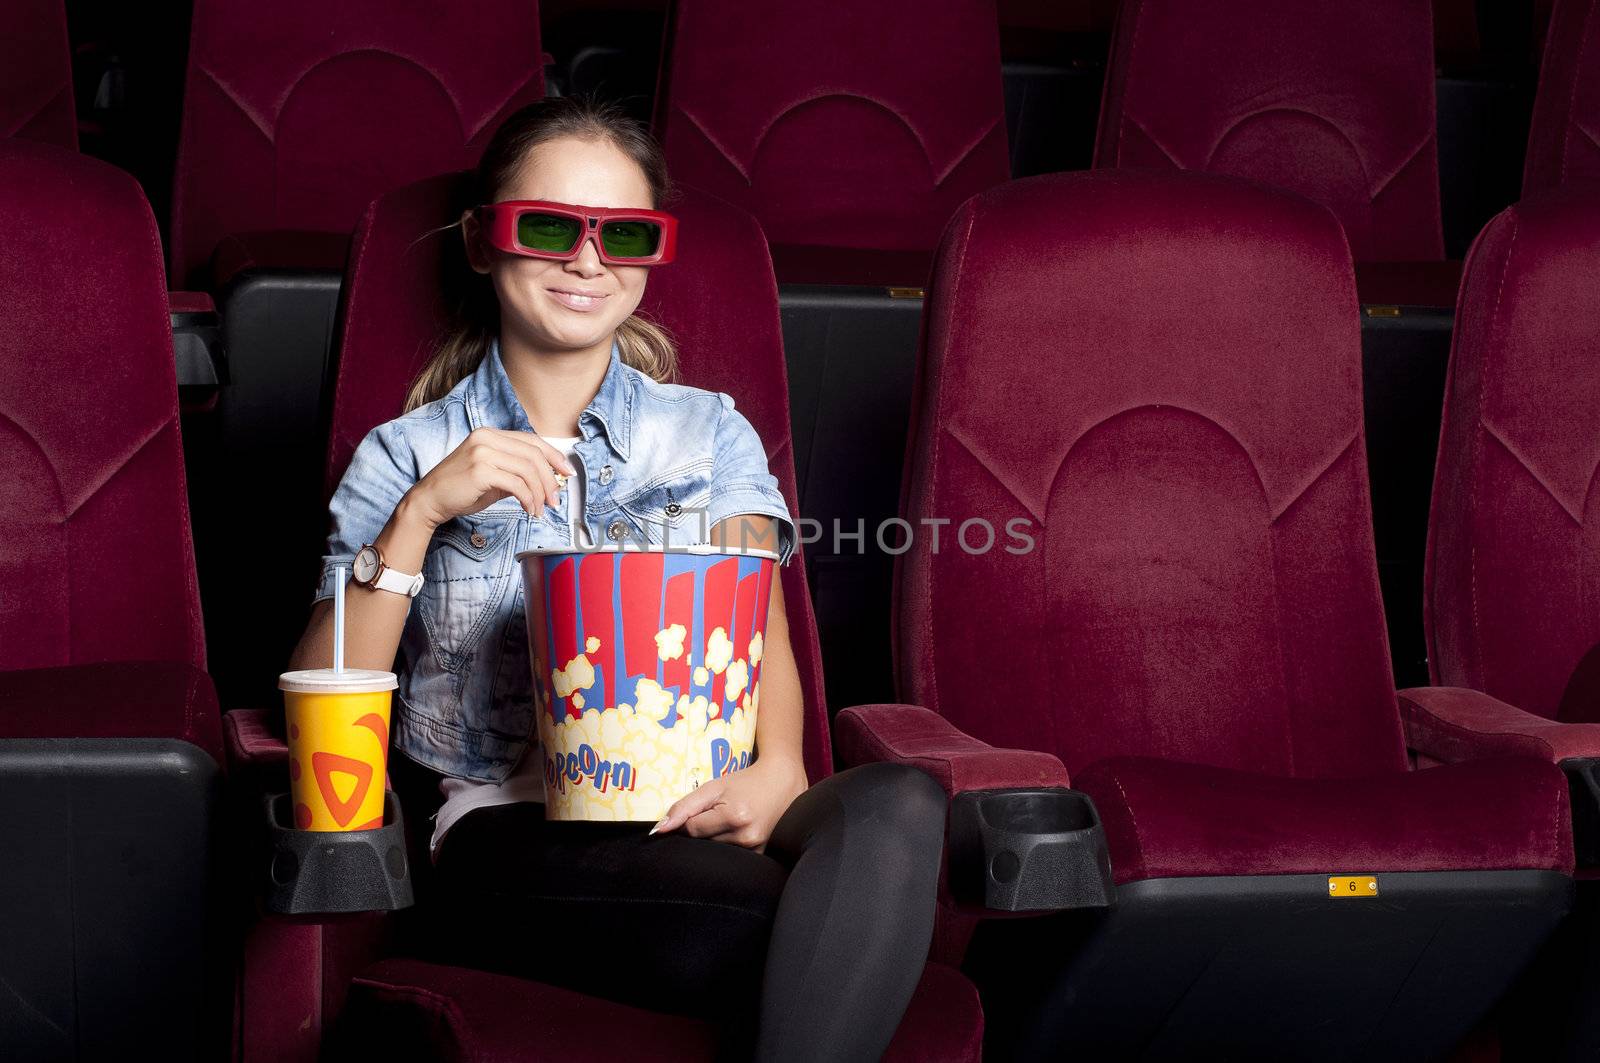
<point x="370" y="571"/>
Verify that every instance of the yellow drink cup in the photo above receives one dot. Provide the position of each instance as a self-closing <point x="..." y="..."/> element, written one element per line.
<point x="338" y="725"/>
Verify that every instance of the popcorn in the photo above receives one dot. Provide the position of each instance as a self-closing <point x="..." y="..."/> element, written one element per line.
<point x="738" y="675"/>
<point x="626" y="748"/>
<point x="577" y="675"/>
<point x="669" y="642"/>
<point x="719" y="650"/>
<point x="653" y="702"/>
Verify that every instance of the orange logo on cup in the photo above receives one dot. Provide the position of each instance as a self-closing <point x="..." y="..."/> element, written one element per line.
<point x="343" y="736"/>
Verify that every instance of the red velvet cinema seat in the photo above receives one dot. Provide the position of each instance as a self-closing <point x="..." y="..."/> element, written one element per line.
<point x="852" y="131"/>
<point x="1336" y="102"/>
<point x="1562" y="145"/>
<point x="1297" y="94"/>
<point x="1512" y="619"/>
<point x="295" y="115"/>
<point x="1162" y="428"/>
<point x="394" y="310"/>
<point x="36" y="73"/>
<point x="109" y="733"/>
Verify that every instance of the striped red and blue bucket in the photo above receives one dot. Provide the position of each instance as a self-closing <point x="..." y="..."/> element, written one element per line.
<point x="646" y="672"/>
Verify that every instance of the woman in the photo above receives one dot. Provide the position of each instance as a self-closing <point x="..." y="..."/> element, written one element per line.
<point x="549" y="418"/>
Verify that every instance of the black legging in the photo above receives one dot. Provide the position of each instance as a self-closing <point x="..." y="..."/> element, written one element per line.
<point x="824" y="936"/>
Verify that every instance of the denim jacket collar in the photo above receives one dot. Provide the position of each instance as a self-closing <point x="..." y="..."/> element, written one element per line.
<point x="491" y="400"/>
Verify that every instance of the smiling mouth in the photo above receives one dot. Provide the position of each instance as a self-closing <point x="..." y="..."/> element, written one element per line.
<point x="578" y="300"/>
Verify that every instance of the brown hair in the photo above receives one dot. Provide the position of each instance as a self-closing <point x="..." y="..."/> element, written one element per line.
<point x="642" y="344"/>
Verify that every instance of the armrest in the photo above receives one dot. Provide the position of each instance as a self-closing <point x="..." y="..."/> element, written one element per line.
<point x="911" y="734"/>
<point x="254" y="739"/>
<point x="1019" y="840"/>
<point x="1457" y="723"/>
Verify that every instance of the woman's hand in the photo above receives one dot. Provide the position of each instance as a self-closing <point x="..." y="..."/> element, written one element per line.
<point x="740" y="808"/>
<point x="491" y="464"/>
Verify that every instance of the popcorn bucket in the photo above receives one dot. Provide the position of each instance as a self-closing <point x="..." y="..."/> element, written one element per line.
<point x="646" y="672"/>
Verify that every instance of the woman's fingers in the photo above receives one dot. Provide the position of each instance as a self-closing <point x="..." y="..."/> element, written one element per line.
<point x="530" y="456"/>
<point x="689" y="806"/>
<point x="727" y="820"/>
<point x="532" y="442"/>
<point x="516" y="486"/>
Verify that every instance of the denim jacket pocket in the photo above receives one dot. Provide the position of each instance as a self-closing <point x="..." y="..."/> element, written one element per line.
<point x="466" y="572"/>
<point x="672" y="506"/>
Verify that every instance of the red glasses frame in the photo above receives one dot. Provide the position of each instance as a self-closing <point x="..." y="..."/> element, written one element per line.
<point x="500" y="229"/>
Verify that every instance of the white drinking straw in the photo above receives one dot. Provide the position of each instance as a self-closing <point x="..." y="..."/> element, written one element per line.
<point x="340" y="572"/>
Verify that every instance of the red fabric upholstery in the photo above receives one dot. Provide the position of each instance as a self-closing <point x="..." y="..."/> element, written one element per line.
<point x="404" y="1009"/>
<point x="1060" y="16"/>
<point x="395" y="309"/>
<point x="1296" y="93"/>
<point x="122" y="699"/>
<point x="1514" y="539"/>
<point x="844" y="125"/>
<point x="400" y="1009"/>
<point x="190" y="303"/>
<point x="296" y="114"/>
<point x="911" y="734"/>
<point x="95" y="550"/>
<point x="36" y="73"/>
<point x="253" y="739"/>
<point x="1456" y="40"/>
<point x="1430" y="284"/>
<point x="1164" y="819"/>
<point x="283" y="249"/>
<point x="944" y="1021"/>
<point x="1201" y="583"/>
<point x="1452" y="724"/>
<point x="1566" y="109"/>
<point x="1192" y="581"/>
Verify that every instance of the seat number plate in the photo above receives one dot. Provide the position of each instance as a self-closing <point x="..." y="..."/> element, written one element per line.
<point x="1352" y="885"/>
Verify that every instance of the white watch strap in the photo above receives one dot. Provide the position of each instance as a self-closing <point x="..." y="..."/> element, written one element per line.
<point x="399" y="583"/>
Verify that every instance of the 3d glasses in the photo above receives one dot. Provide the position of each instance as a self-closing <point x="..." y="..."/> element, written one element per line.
<point x="541" y="229"/>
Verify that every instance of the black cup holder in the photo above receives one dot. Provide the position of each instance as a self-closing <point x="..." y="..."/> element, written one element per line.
<point x="1583" y="785"/>
<point x="1028" y="850"/>
<point x="314" y="872"/>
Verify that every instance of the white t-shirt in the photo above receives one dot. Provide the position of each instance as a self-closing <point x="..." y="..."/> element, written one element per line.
<point x="526" y="781"/>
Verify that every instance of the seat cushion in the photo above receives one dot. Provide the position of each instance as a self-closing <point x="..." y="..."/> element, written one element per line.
<point x="1169" y="819"/>
<point x="407" y="1009"/>
<point x="120" y="699"/>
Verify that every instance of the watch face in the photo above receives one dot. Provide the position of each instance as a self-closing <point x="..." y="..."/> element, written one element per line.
<point x="365" y="568"/>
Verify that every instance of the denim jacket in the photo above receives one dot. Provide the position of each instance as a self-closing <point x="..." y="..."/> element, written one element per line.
<point x="660" y="462"/>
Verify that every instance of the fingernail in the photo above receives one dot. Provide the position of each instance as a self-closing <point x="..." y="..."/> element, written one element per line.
<point x="657" y="826"/>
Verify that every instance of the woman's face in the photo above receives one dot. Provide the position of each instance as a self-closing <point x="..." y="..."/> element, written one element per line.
<point x="566" y="306"/>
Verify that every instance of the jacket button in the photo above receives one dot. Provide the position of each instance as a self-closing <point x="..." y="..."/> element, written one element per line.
<point x="479" y="540"/>
<point x="616" y="531"/>
<point x="673" y="509"/>
<point x="606" y="474"/>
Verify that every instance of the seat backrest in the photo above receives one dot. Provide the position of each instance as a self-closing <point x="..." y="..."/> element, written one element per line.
<point x="36" y="73"/>
<point x="395" y="310"/>
<point x="1566" y="107"/>
<point x="298" y="112"/>
<point x="96" y="559"/>
<point x="839" y="123"/>
<point x="1149" y="386"/>
<point x="1513" y="571"/>
<point x="1332" y="100"/>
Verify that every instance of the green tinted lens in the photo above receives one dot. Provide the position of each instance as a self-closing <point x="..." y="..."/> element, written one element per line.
<point x="630" y="239"/>
<point x="547" y="232"/>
